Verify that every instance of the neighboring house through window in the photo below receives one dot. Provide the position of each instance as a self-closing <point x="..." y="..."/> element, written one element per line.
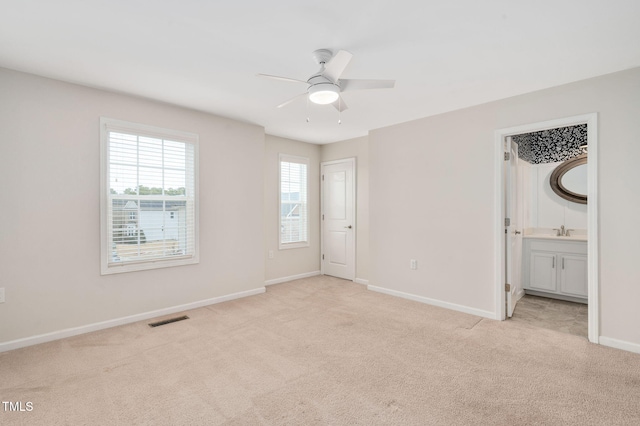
<point x="294" y="221"/>
<point x="149" y="216"/>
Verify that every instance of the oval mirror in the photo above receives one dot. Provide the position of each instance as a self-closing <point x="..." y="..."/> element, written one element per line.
<point x="569" y="179"/>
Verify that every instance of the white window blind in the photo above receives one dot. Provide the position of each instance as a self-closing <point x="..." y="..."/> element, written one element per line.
<point x="149" y="197"/>
<point x="294" y="217"/>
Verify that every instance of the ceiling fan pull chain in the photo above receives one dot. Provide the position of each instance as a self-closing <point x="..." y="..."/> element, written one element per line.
<point x="340" y="110"/>
<point x="308" y="120"/>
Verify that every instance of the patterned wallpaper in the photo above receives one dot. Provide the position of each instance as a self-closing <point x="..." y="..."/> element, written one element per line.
<point x="553" y="145"/>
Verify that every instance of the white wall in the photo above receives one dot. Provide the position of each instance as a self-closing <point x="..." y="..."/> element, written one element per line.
<point x="49" y="220"/>
<point x="432" y="197"/>
<point x="548" y="209"/>
<point x="358" y="148"/>
<point x="296" y="261"/>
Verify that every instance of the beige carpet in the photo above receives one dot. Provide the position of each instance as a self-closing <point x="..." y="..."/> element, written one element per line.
<point x="322" y="351"/>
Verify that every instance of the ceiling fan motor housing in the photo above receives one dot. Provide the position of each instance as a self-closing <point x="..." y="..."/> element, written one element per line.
<point x="322" y="90"/>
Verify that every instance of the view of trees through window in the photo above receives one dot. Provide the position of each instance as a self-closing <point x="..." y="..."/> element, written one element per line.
<point x="144" y="190"/>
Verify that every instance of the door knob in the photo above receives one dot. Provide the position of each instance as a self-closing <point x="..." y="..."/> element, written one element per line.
<point x="518" y="232"/>
<point x="348" y="227"/>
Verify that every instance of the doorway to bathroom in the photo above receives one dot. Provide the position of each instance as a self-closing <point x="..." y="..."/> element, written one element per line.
<point x="554" y="264"/>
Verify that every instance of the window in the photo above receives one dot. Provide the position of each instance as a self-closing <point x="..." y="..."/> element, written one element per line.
<point x="148" y="212"/>
<point x="294" y="223"/>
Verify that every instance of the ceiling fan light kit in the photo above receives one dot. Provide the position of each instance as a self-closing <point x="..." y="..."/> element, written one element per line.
<point x="324" y="93"/>
<point x="325" y="86"/>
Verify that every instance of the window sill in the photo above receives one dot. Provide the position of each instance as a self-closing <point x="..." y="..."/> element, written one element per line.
<point x="108" y="269"/>
<point x="288" y="246"/>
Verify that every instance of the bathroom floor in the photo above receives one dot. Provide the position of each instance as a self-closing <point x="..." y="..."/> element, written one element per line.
<point x="553" y="314"/>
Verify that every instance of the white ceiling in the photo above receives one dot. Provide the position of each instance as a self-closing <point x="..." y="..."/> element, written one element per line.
<point x="205" y="54"/>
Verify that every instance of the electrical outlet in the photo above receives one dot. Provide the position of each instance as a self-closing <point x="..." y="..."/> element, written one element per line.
<point x="2" y="295"/>
<point x="413" y="264"/>
<point x="270" y="254"/>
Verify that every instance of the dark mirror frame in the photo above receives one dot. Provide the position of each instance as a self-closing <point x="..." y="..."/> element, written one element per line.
<point x="559" y="172"/>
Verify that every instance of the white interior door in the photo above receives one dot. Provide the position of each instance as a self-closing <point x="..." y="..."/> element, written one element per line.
<point x="338" y="218"/>
<point x="513" y="229"/>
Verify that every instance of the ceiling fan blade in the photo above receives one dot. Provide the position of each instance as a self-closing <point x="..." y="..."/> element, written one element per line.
<point x="365" y="84"/>
<point x="336" y="66"/>
<point x="276" y="77"/>
<point x="340" y="105"/>
<point x="292" y="99"/>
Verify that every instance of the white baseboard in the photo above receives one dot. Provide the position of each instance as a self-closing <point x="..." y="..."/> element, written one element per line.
<point x="434" y="302"/>
<point x="291" y="278"/>
<point x="61" y="334"/>
<point x="361" y="281"/>
<point x="619" y="344"/>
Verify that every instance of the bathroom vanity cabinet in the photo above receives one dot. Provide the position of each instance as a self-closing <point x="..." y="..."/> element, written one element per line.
<point x="555" y="267"/>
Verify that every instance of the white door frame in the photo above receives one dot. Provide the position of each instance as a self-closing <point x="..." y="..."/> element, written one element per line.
<point x="351" y="160"/>
<point x="591" y="120"/>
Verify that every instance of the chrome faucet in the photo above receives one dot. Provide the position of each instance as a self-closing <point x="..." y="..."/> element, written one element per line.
<point x="568" y="231"/>
<point x="560" y="232"/>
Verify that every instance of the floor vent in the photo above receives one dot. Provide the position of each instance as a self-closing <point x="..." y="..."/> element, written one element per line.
<point x="168" y="321"/>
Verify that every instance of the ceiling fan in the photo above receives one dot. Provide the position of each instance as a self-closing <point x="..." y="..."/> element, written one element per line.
<point x="325" y="86"/>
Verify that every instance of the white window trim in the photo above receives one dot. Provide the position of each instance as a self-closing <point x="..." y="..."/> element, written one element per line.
<point x="105" y="226"/>
<point x="291" y="159"/>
